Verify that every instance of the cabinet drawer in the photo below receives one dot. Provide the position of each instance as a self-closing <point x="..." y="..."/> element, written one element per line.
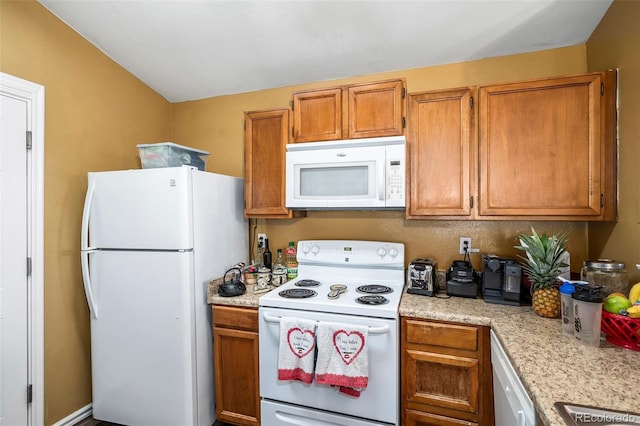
<point x="237" y="318"/>
<point x="420" y="418"/>
<point x="441" y="334"/>
<point x="442" y="380"/>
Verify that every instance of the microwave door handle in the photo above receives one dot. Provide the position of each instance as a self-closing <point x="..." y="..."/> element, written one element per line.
<point x="381" y="186"/>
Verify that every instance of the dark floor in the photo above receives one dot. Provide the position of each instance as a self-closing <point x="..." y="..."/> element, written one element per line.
<point x="90" y="421"/>
<point x="93" y="422"/>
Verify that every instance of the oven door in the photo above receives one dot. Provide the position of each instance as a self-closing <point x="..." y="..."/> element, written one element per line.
<point x="378" y="402"/>
<point x="279" y="413"/>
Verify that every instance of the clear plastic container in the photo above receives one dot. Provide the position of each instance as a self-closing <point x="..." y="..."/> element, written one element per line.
<point x="609" y="274"/>
<point x="587" y="314"/>
<point x="566" y="291"/>
<point x="169" y="154"/>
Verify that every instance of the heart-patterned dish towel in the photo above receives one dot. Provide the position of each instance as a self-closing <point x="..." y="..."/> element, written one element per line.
<point x="343" y="357"/>
<point x="296" y="349"/>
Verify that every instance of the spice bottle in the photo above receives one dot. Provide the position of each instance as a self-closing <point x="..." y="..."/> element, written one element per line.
<point x="292" y="261"/>
<point x="266" y="256"/>
<point x="279" y="273"/>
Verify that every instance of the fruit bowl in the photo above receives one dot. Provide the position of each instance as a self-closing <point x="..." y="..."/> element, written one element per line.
<point x="621" y="330"/>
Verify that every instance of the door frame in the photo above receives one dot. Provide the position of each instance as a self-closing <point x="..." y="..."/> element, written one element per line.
<point x="33" y="95"/>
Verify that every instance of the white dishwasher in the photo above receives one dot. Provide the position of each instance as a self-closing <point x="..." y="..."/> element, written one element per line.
<point x="512" y="404"/>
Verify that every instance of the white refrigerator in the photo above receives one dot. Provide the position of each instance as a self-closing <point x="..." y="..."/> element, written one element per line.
<point x="151" y="241"/>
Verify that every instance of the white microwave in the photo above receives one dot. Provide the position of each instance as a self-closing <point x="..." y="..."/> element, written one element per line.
<point x="350" y="174"/>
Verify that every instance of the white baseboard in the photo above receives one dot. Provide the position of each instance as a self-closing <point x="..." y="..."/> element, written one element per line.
<point x="76" y="416"/>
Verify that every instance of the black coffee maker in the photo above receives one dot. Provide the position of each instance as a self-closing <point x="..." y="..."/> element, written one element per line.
<point x="501" y="280"/>
<point x="462" y="279"/>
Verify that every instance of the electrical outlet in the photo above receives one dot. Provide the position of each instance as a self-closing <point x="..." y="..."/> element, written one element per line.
<point x="465" y="243"/>
<point x="261" y="238"/>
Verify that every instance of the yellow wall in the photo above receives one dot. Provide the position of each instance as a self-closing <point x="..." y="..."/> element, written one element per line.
<point x="95" y="114"/>
<point x="219" y="122"/>
<point x="614" y="44"/>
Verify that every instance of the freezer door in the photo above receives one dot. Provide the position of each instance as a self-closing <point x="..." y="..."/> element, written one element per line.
<point x="143" y="344"/>
<point x="149" y="209"/>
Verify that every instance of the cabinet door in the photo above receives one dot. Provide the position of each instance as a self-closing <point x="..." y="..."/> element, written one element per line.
<point x="448" y="381"/>
<point x="376" y="109"/>
<point x="542" y="148"/>
<point x="445" y="373"/>
<point x="236" y="366"/>
<point x="420" y="418"/>
<point x="439" y="150"/>
<point x="266" y="137"/>
<point x="317" y="115"/>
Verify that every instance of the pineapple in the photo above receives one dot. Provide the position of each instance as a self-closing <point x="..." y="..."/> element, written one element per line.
<point x="542" y="265"/>
<point x="546" y="302"/>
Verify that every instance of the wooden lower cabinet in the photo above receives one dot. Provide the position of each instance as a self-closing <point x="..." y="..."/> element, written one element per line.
<point x="446" y="376"/>
<point x="235" y="358"/>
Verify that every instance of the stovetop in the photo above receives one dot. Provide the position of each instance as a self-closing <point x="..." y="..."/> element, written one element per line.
<point x="347" y="277"/>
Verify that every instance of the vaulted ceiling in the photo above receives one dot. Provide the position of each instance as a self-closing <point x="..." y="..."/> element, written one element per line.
<point x="195" y="49"/>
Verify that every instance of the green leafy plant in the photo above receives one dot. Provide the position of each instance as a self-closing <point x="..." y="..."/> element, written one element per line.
<point x="542" y="265"/>
<point x="543" y="260"/>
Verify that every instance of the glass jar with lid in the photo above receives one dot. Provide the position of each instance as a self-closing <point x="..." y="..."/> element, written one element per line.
<point x="608" y="273"/>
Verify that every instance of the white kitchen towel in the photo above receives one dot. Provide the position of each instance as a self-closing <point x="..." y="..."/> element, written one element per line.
<point x="296" y="349"/>
<point x="343" y="357"/>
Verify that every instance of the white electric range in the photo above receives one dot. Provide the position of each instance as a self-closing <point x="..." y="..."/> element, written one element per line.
<point x="350" y="282"/>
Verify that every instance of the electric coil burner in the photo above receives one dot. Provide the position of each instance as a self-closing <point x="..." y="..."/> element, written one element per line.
<point x="307" y="283"/>
<point x="374" y="289"/>
<point x="297" y="293"/>
<point x="372" y="299"/>
<point x="348" y="283"/>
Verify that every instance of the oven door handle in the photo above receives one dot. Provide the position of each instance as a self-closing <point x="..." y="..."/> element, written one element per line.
<point x="372" y="330"/>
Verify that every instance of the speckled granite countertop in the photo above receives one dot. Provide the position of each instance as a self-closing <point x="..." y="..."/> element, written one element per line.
<point x="551" y="366"/>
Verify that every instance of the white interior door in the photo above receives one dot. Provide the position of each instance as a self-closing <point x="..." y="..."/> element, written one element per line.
<point x="13" y="263"/>
<point x="24" y="102"/>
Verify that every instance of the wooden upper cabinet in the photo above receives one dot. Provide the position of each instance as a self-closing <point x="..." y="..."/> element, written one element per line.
<point x="440" y="138"/>
<point x="317" y="115"/>
<point x="265" y="140"/>
<point x="349" y="112"/>
<point x="376" y="109"/>
<point x="547" y="148"/>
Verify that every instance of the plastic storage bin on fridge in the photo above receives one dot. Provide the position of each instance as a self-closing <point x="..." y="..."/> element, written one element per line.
<point x="169" y="154"/>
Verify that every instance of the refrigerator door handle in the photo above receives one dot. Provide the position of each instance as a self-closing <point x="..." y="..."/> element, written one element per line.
<point x="86" y="277"/>
<point x="84" y="233"/>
